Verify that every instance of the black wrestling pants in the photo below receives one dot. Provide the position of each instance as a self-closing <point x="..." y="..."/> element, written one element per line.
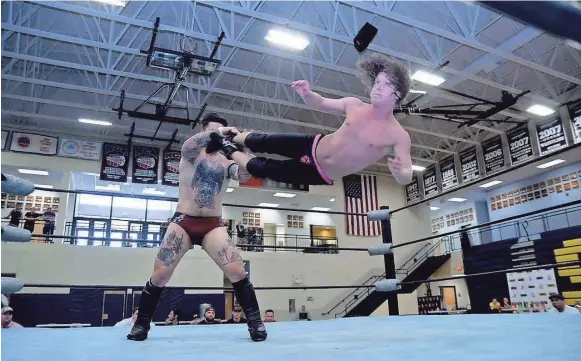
<point x="300" y="169"/>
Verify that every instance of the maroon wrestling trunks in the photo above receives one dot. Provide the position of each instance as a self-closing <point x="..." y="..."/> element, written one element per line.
<point x="196" y="227"/>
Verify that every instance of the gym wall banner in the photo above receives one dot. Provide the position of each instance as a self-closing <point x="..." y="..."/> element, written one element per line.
<point x="469" y="164"/>
<point x="519" y="144"/>
<point x="551" y="136"/>
<point x="448" y="172"/>
<point x="430" y="181"/>
<point x="82" y="149"/>
<point x="34" y="143"/>
<point x="114" y="162"/>
<point x="145" y="165"/>
<point x="4" y="138"/>
<point x="575" y="116"/>
<point x="170" y="172"/>
<point x="412" y="191"/>
<point x="493" y="154"/>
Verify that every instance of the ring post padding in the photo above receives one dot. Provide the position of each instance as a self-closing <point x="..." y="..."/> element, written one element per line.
<point x="11" y="285"/>
<point x="380" y="249"/>
<point x="15" y="234"/>
<point x="388" y="285"/>
<point x="17" y="186"/>
<point x="378" y="215"/>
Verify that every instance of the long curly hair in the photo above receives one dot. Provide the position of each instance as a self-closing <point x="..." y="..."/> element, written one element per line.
<point x="369" y="68"/>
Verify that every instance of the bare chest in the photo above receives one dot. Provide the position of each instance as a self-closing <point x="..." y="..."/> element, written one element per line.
<point x="370" y="133"/>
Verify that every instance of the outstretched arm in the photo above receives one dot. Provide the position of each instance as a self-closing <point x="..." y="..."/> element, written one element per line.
<point x="401" y="165"/>
<point x="194" y="145"/>
<point x="322" y="104"/>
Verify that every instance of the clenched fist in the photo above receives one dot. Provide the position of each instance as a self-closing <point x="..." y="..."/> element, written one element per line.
<point x="302" y="87"/>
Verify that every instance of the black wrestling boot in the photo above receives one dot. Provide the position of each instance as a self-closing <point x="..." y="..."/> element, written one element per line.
<point x="149" y="299"/>
<point x="244" y="292"/>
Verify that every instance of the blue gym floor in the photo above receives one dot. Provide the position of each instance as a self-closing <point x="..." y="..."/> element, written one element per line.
<point x="527" y="337"/>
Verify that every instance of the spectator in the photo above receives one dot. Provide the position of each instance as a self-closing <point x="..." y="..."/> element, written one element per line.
<point x="559" y="306"/>
<point x="236" y="316"/>
<point x="240" y="232"/>
<point x="495" y="306"/>
<point x="269" y="316"/>
<point x="131" y="320"/>
<point x="506" y="303"/>
<point x="209" y="317"/>
<point x="30" y="219"/>
<point x="15" y="216"/>
<point x="49" y="218"/>
<point x="173" y="318"/>
<point x="7" y="318"/>
<point x="195" y="320"/>
<point x="304" y="315"/>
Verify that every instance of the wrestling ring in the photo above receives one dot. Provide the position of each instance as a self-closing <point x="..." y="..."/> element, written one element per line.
<point x="516" y="337"/>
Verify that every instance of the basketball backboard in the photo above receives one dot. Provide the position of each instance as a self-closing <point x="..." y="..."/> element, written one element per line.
<point x="175" y="60"/>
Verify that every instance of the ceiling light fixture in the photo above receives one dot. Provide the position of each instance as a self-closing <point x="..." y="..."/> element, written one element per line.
<point x="284" y="195"/>
<point x="428" y="78"/>
<point x="418" y="168"/>
<point x="550" y="164"/>
<point x="94" y="122"/>
<point x="414" y="91"/>
<point x="540" y="110"/>
<point x="320" y="209"/>
<point x="229" y="190"/>
<point x="332" y="200"/>
<point x="114" y="2"/>
<point x="43" y="186"/>
<point x="490" y="184"/>
<point x="286" y="39"/>
<point x="434" y="208"/>
<point x="33" y="172"/>
<point x="458" y="200"/>
<point x="273" y="205"/>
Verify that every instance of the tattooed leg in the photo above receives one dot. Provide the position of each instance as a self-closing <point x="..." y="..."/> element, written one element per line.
<point x="221" y="248"/>
<point x="175" y="244"/>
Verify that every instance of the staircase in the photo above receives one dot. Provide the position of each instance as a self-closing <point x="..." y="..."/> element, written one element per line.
<point x="364" y="300"/>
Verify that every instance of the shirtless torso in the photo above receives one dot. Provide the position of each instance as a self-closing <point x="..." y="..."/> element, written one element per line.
<point x="362" y="140"/>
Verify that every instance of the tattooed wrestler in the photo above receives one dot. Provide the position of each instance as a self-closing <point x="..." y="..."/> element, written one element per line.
<point x="204" y="174"/>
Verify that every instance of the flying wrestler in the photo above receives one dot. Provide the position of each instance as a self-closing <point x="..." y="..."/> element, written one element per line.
<point x="204" y="177"/>
<point x="369" y="133"/>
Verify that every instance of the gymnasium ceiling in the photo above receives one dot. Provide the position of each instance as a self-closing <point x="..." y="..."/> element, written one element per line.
<point x="62" y="61"/>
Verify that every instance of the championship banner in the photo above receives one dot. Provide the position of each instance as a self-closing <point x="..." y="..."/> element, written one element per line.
<point x="469" y="164"/>
<point x="170" y="172"/>
<point x="448" y="172"/>
<point x="83" y="149"/>
<point x="145" y="165"/>
<point x="575" y="115"/>
<point x="412" y="191"/>
<point x="114" y="162"/>
<point x="4" y="138"/>
<point x="551" y="137"/>
<point x="34" y="143"/>
<point x="493" y="154"/>
<point x="430" y="182"/>
<point x="519" y="142"/>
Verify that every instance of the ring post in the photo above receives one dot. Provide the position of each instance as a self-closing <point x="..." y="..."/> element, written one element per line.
<point x="389" y="264"/>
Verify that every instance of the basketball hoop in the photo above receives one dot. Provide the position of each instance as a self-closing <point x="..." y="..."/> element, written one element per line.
<point x="188" y="45"/>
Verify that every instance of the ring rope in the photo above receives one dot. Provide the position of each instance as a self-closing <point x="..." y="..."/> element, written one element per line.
<point x="487" y="224"/>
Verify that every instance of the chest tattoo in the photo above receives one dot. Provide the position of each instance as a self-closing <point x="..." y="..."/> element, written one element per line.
<point x="207" y="183"/>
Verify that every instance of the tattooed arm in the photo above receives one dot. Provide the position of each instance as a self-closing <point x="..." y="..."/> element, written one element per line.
<point x="194" y="145"/>
<point x="238" y="172"/>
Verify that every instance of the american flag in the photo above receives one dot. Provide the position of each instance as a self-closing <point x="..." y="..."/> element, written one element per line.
<point x="361" y="197"/>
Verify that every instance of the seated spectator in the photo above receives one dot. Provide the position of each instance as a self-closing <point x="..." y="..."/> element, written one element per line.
<point x="495" y="306"/>
<point x="131" y="320"/>
<point x="557" y="300"/>
<point x="506" y="303"/>
<point x="209" y="317"/>
<point x="7" y="318"/>
<point x="269" y="316"/>
<point x="173" y="318"/>
<point x="304" y="315"/>
<point x="236" y="316"/>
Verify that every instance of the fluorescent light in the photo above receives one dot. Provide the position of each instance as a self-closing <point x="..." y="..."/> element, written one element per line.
<point x="320" y="209"/>
<point x="287" y="40"/>
<point x="113" y="2"/>
<point x="94" y="122"/>
<point x="414" y="91"/>
<point x="490" y="184"/>
<point x="268" y="205"/>
<point x="33" y="171"/>
<point x="280" y="224"/>
<point x="153" y="191"/>
<point x="434" y="208"/>
<point x="93" y="174"/>
<point x="457" y="200"/>
<point x="109" y="187"/>
<point x="43" y="186"/>
<point x="332" y="200"/>
<point x="284" y="195"/>
<point x="540" y="110"/>
<point x="550" y="164"/>
<point x="428" y="78"/>
<point x="229" y="190"/>
<point x="418" y="168"/>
